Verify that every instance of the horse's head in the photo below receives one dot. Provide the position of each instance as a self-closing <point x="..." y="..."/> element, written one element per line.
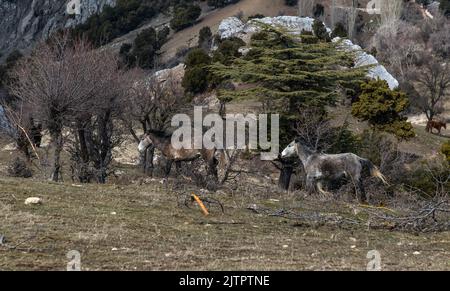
<point x="145" y="143"/>
<point x="290" y="151"/>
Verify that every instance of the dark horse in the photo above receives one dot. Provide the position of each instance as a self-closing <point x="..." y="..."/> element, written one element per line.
<point x="322" y="168"/>
<point x="163" y="142"/>
<point x="437" y="125"/>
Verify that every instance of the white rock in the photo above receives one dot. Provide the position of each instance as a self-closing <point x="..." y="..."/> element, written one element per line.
<point x="364" y="59"/>
<point x="234" y="27"/>
<point x="230" y="27"/>
<point x="33" y="201"/>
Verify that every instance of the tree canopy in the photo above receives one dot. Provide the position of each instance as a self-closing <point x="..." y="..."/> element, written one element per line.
<point x="287" y="73"/>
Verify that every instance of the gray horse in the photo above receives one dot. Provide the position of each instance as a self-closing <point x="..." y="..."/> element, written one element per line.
<point x="324" y="168"/>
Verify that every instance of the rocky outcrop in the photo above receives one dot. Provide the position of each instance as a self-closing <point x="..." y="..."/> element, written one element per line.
<point x="24" y="22"/>
<point x="365" y="59"/>
<point x="233" y="27"/>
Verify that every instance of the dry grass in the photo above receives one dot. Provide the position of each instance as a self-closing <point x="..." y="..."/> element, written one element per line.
<point x="147" y="228"/>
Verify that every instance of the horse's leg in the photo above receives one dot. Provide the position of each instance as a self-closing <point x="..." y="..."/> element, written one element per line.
<point x="168" y="168"/>
<point x="360" y="191"/>
<point x="213" y="166"/>
<point x="310" y="187"/>
<point x="211" y="163"/>
<point x="319" y="185"/>
<point x="178" y="167"/>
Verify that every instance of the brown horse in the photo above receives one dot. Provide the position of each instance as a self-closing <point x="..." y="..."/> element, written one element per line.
<point x="162" y="142"/>
<point x="437" y="125"/>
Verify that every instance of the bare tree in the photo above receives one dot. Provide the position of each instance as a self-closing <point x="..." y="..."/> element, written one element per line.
<point x="399" y="49"/>
<point x="432" y="82"/>
<point x="95" y="130"/>
<point x="17" y="124"/>
<point x="391" y="11"/>
<point x="152" y="102"/>
<point x="333" y="13"/>
<point x="59" y="82"/>
<point x="351" y="15"/>
<point x="306" y="7"/>
<point x="314" y="128"/>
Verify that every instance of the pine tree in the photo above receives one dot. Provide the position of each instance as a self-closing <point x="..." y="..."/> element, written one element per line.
<point x="288" y="74"/>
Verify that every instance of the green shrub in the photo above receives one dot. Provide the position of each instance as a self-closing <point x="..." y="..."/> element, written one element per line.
<point x="383" y="109"/>
<point x="339" y="31"/>
<point x="185" y="16"/>
<point x="228" y="50"/>
<point x="205" y="38"/>
<point x="196" y="80"/>
<point x="344" y="140"/>
<point x="445" y="149"/>
<point x="197" y="57"/>
<point x="144" y="49"/>
<point x="197" y="75"/>
<point x="320" y="31"/>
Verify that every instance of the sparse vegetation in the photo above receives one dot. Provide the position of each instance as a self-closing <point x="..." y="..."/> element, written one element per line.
<point x="115" y="21"/>
<point x="144" y="51"/>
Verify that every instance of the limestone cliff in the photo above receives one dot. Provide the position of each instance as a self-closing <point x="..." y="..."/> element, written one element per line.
<point x="24" y="22"/>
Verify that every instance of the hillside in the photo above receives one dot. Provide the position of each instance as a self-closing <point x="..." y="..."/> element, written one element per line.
<point x="148" y="228"/>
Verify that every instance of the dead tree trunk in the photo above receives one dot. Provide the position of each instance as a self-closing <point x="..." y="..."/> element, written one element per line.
<point x="284" y="179"/>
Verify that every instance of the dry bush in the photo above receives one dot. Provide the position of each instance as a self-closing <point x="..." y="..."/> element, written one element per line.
<point x="19" y="169"/>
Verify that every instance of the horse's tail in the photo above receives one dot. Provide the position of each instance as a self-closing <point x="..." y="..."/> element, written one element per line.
<point x="220" y="157"/>
<point x="374" y="171"/>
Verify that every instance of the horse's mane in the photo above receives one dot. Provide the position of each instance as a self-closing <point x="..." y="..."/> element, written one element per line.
<point x="160" y="133"/>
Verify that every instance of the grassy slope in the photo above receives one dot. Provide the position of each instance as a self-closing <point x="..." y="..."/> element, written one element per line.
<point x="151" y="231"/>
